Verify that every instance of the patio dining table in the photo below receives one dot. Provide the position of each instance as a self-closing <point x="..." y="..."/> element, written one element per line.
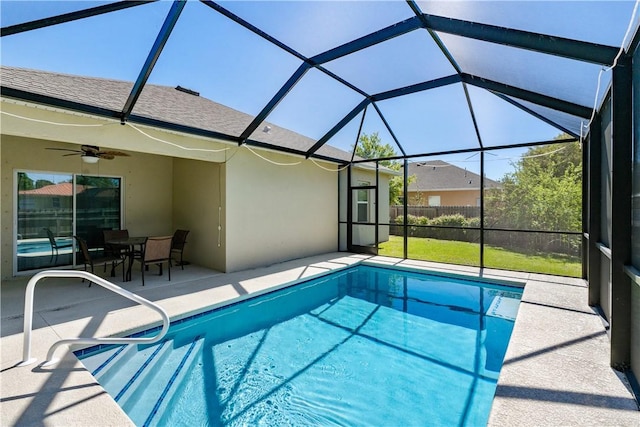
<point x="131" y="243"/>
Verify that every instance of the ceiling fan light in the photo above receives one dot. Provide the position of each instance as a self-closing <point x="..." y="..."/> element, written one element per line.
<point x="90" y="159"/>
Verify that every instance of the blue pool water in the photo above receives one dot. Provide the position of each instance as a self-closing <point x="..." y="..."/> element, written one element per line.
<point x="366" y="346"/>
<point x="35" y="247"/>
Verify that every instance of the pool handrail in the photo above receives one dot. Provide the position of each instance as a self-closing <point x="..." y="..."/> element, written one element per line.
<point x="28" y="315"/>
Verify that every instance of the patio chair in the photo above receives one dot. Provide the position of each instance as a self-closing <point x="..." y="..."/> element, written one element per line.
<point x="91" y="261"/>
<point x="55" y="246"/>
<point x="157" y="250"/>
<point x="112" y="249"/>
<point x="177" y="245"/>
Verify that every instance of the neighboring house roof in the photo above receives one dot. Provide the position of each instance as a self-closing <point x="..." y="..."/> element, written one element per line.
<point x="156" y="102"/>
<point x="436" y="175"/>
<point x="62" y="189"/>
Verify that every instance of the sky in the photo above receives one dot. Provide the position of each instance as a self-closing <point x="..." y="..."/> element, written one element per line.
<point x="226" y="63"/>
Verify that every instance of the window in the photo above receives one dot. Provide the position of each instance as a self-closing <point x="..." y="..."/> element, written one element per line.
<point x="362" y="205"/>
<point x="434" y="201"/>
<point x="66" y="205"/>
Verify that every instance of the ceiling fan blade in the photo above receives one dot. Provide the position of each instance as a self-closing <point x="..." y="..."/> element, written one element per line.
<point x="106" y="156"/>
<point x="72" y="154"/>
<point x="63" y="149"/>
<point x="112" y="153"/>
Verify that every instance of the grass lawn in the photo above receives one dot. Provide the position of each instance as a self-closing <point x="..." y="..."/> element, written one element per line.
<point x="465" y="253"/>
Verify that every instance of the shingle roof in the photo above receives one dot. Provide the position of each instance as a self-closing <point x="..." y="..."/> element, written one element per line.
<point x="156" y="102"/>
<point x="439" y="175"/>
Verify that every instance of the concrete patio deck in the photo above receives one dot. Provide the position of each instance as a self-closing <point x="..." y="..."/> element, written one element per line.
<point x="556" y="370"/>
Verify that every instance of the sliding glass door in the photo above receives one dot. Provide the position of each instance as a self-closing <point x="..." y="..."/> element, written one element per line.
<point x="53" y="207"/>
<point x="97" y="207"/>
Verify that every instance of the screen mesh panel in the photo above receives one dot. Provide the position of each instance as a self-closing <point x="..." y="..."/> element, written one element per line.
<point x="94" y="46"/>
<point x="225" y="55"/>
<point x="549" y="75"/>
<point x="312" y="27"/>
<point x="601" y="22"/>
<point x="502" y="123"/>
<point x="417" y="120"/>
<point x="312" y="106"/>
<point x="415" y="58"/>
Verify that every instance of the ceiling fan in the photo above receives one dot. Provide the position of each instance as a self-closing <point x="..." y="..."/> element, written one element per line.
<point x="91" y="153"/>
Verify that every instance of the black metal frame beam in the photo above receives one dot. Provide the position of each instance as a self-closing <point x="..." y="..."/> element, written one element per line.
<point x="71" y="16"/>
<point x="527" y="95"/>
<point x="342" y="123"/>
<point x="133" y="118"/>
<point x="291" y="82"/>
<point x="573" y="49"/>
<point x="535" y="114"/>
<point x="552" y="45"/>
<point x="492" y="86"/>
<point x="472" y="150"/>
<point x="473" y="114"/>
<point x="136" y="119"/>
<point x="482" y="209"/>
<point x="372" y="39"/>
<point x="273" y="103"/>
<point x="419" y="87"/>
<point x="621" y="218"/>
<point x="58" y="102"/>
<point x="355" y="143"/>
<point x="380" y="97"/>
<point x="436" y="38"/>
<point x="386" y="124"/>
<point x="592" y="211"/>
<point x="226" y="138"/>
<point x="152" y="58"/>
<point x="405" y="213"/>
<point x="252" y="28"/>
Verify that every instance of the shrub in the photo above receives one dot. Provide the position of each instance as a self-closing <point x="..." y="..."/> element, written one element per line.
<point x="456" y="220"/>
<point x="473" y="222"/>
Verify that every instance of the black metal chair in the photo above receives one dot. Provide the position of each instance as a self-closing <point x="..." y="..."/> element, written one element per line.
<point x="55" y="246"/>
<point x="91" y="261"/>
<point x="177" y="245"/>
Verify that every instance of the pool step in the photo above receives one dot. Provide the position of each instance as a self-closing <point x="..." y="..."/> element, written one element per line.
<point x="158" y="391"/>
<point x="145" y="376"/>
<point x="104" y="366"/>
<point x="122" y="373"/>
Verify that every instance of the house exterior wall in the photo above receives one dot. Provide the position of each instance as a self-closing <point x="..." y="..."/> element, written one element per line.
<point x="148" y="175"/>
<point x="146" y="181"/>
<point x="198" y="192"/>
<point x="275" y="213"/>
<point x="447" y="197"/>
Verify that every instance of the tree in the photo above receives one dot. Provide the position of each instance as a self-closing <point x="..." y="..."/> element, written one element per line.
<point x="43" y="183"/>
<point x="372" y="147"/>
<point x="543" y="193"/>
<point x="25" y="182"/>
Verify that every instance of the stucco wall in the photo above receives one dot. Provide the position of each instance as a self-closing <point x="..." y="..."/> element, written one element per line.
<point x="198" y="192"/>
<point x="275" y="213"/>
<point x="147" y="181"/>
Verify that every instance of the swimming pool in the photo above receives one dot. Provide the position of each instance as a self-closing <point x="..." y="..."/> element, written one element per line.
<point x="364" y="346"/>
